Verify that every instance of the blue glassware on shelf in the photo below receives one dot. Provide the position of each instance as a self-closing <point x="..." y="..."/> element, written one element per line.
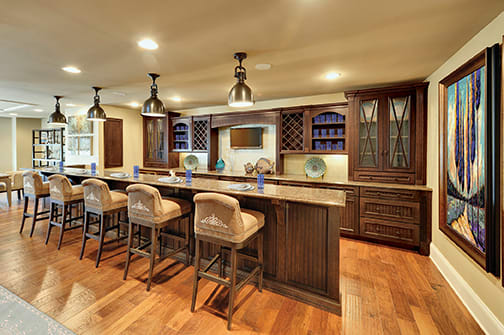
<point x="334" y="118"/>
<point x="328" y="145"/>
<point x="340" y="132"/>
<point x="322" y="118"/>
<point x="188" y="177"/>
<point x="341" y="118"/>
<point x="260" y="181"/>
<point x="177" y="146"/>
<point x="220" y="165"/>
<point x="60" y="166"/>
<point x="93" y="168"/>
<point x="340" y="145"/>
<point x="322" y="146"/>
<point x="317" y="145"/>
<point x="316" y="119"/>
<point x="315" y="133"/>
<point x="324" y="132"/>
<point x="136" y="171"/>
<point x="335" y="146"/>
<point x="331" y="132"/>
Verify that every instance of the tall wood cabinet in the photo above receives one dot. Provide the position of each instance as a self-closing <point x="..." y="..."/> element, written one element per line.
<point x="387" y="134"/>
<point x="157" y="142"/>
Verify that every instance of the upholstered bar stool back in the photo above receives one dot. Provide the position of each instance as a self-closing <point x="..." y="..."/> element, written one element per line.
<point x="16" y="183"/>
<point x="35" y="188"/>
<point x="220" y="216"/>
<point x="64" y="196"/>
<point x="219" y="220"/>
<point x="62" y="190"/>
<point x="33" y="184"/>
<point x="147" y="208"/>
<point x="105" y="205"/>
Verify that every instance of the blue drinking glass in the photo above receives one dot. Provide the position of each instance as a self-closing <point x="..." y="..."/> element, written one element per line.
<point x="93" y="168"/>
<point x="136" y="171"/>
<point x="188" y="177"/>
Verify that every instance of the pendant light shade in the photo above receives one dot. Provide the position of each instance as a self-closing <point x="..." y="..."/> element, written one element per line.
<point x="96" y="113"/>
<point x="240" y="94"/>
<point x="57" y="118"/>
<point x="153" y="106"/>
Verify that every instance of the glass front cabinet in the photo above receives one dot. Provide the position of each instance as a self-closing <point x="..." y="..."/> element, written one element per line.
<point x="157" y="144"/>
<point x="387" y="134"/>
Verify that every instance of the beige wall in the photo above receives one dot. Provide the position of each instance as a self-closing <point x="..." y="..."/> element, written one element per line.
<point x="6" y="144"/>
<point x="132" y="137"/>
<point x="24" y="127"/>
<point x="486" y="286"/>
<point x="337" y="165"/>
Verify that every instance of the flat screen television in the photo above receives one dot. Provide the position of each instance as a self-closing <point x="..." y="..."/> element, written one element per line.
<point x="246" y="138"/>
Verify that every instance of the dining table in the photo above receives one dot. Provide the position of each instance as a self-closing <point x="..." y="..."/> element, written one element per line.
<point x="6" y="178"/>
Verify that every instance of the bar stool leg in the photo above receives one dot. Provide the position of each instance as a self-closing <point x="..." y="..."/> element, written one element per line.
<point x="63" y="225"/>
<point x="35" y="212"/>
<point x="196" y="276"/>
<point x="52" y="209"/>
<point x="154" y="238"/>
<point x="102" y="237"/>
<point x="128" y="252"/>
<point x="232" y="288"/>
<point x="260" y="258"/>
<point x="25" y="209"/>
<point x="84" y="234"/>
<point x="221" y="263"/>
<point x="187" y="241"/>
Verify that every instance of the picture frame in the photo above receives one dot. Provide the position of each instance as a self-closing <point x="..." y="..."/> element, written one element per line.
<point x="469" y="162"/>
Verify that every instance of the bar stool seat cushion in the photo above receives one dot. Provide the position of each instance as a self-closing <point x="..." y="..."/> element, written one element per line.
<point x="172" y="208"/>
<point x="118" y="200"/>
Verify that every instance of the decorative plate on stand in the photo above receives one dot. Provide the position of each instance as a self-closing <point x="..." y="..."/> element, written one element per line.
<point x="191" y="162"/>
<point x="315" y="167"/>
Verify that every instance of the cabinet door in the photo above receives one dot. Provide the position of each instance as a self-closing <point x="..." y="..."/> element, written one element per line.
<point x="368" y="144"/>
<point x="399" y="148"/>
<point x="293" y="136"/>
<point x="155" y="142"/>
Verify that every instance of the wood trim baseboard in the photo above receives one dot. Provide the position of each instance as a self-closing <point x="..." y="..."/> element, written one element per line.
<point x="478" y="309"/>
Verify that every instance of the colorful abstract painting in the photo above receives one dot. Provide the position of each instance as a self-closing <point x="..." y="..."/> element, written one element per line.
<point x="466" y="158"/>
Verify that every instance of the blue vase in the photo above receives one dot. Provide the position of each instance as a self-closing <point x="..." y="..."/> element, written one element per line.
<point x="220" y="165"/>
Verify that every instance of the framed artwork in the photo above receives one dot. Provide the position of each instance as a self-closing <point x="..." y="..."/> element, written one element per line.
<point x="469" y="198"/>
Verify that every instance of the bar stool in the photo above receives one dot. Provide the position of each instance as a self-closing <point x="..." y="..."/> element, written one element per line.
<point x="66" y="196"/>
<point x="146" y="208"/>
<point x="219" y="220"/>
<point x="35" y="188"/>
<point x="99" y="201"/>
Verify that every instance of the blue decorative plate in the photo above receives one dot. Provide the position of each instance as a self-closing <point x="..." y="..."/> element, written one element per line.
<point x="315" y="167"/>
<point x="191" y="162"/>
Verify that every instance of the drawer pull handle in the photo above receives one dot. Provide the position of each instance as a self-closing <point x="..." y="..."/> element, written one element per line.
<point x="398" y="232"/>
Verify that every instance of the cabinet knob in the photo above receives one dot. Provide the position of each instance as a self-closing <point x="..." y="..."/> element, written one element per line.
<point x="398" y="232"/>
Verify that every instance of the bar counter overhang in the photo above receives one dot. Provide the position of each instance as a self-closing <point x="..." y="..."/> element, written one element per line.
<point x="301" y="232"/>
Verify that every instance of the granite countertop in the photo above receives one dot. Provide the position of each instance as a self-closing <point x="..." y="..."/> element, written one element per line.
<point x="315" y="196"/>
<point x="301" y="178"/>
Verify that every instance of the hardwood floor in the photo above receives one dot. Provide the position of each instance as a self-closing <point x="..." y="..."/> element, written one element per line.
<point x="384" y="291"/>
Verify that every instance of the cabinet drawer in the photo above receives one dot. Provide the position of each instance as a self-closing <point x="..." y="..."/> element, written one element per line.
<point x="294" y="183"/>
<point x="402" y="211"/>
<point x="236" y="179"/>
<point x="390" y="231"/>
<point x="350" y="190"/>
<point x="398" y="178"/>
<point x="393" y="194"/>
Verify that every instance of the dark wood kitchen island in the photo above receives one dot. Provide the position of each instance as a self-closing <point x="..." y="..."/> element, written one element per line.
<point x="301" y="232"/>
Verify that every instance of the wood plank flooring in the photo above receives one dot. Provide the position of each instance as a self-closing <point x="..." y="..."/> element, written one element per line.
<point x="384" y="291"/>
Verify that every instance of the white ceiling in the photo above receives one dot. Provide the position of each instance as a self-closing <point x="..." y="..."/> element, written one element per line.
<point x="368" y="42"/>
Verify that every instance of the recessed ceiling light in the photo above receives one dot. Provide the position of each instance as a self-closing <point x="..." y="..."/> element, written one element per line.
<point x="38" y="110"/>
<point x="134" y="104"/>
<point x="70" y="105"/>
<point x="148" y="44"/>
<point x="263" y="67"/>
<point x="177" y="99"/>
<point x="13" y="114"/>
<point x="332" y="75"/>
<point x="71" y="69"/>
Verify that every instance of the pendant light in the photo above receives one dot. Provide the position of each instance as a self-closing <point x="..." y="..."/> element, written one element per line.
<point x="57" y="118"/>
<point x="153" y="106"/>
<point x="96" y="113"/>
<point x="240" y="95"/>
